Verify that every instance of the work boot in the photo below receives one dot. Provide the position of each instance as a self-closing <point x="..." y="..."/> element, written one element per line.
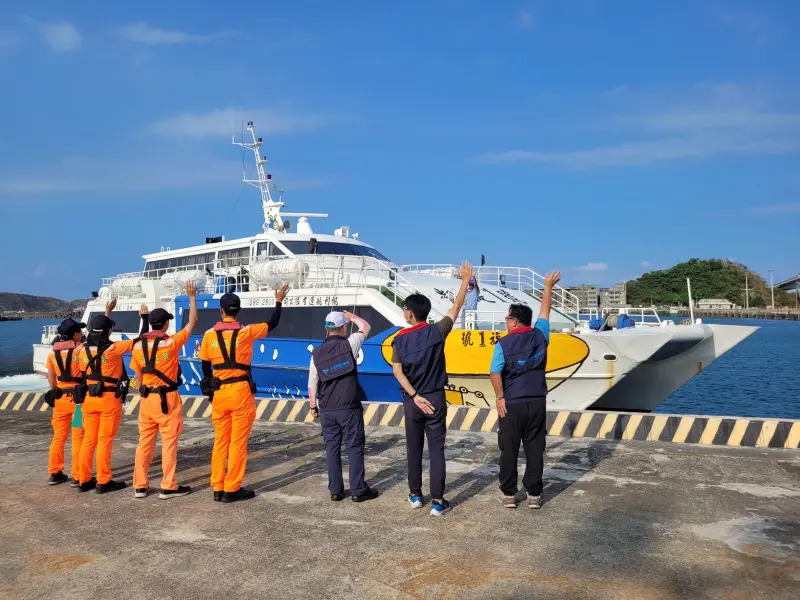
<point x="240" y="494"/>
<point x="111" y="486"/>
<point x="183" y="490"/>
<point x="337" y="497"/>
<point x="141" y="492"/>
<point x="73" y="483"/>
<point x="368" y="494"/>
<point x="218" y="495"/>
<point x="57" y="478"/>
<point x="88" y="485"/>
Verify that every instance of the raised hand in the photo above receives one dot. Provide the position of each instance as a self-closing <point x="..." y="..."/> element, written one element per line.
<point x="191" y="289"/>
<point x="552" y="279"/>
<point x="466" y="272"/>
<point x="144" y="310"/>
<point x="348" y="315"/>
<point x="111" y="305"/>
<point x="280" y="295"/>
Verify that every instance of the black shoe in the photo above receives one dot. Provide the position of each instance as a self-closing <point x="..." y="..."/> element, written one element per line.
<point x="111" y="486"/>
<point x="218" y="496"/>
<point x="183" y="490"/>
<point x="141" y="492"/>
<point x="240" y="494"/>
<point x="337" y="497"/>
<point x="88" y="485"/>
<point x="57" y="478"/>
<point x="369" y="494"/>
<point x="73" y="483"/>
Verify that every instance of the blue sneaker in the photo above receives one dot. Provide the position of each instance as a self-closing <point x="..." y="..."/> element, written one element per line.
<point x="416" y="501"/>
<point x="439" y="509"/>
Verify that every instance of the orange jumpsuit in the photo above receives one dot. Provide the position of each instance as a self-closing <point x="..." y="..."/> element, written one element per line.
<point x="233" y="409"/>
<point x="152" y="420"/>
<point x="101" y="415"/>
<point x="63" y="411"/>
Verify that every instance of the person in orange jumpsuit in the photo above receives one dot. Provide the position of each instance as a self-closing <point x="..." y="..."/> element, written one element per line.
<point x="228" y="348"/>
<point x="156" y="367"/>
<point x="106" y="381"/>
<point x="63" y="375"/>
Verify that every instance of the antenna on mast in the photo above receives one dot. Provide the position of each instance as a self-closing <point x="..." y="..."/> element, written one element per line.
<point x="272" y="210"/>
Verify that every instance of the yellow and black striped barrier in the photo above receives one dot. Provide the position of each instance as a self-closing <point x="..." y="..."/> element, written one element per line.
<point x="681" y="429"/>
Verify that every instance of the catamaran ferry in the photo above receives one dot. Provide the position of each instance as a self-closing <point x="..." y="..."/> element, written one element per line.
<point x="631" y="368"/>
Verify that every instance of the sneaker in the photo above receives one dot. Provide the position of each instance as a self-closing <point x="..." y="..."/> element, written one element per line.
<point x="337" y="497"/>
<point x="368" y="494"/>
<point x="439" y="509"/>
<point x="534" y="502"/>
<point x="73" y="483"/>
<point x="141" y="492"/>
<point x="240" y="494"/>
<point x="182" y="490"/>
<point x="509" y="501"/>
<point x="218" y="495"/>
<point x="110" y="486"/>
<point x="88" y="485"/>
<point x="57" y="478"/>
<point x="416" y="501"/>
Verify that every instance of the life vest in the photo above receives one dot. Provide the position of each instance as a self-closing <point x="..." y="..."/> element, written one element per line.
<point x="65" y="372"/>
<point x="338" y="375"/>
<point x="229" y="357"/>
<point x="421" y="351"/>
<point x="525" y="354"/>
<point x="150" y="367"/>
<point x="102" y="383"/>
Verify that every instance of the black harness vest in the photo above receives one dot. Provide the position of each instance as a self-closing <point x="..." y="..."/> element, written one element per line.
<point x="229" y="362"/>
<point x="150" y="367"/>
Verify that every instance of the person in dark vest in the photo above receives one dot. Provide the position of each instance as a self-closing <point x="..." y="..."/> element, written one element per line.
<point x="334" y="392"/>
<point x="517" y="373"/>
<point x="419" y="365"/>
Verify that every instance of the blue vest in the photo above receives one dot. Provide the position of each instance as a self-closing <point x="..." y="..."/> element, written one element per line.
<point x="338" y="375"/>
<point x="524" y="371"/>
<point x="422" y="354"/>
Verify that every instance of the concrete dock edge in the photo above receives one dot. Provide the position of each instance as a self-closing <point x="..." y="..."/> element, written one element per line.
<point x="678" y="429"/>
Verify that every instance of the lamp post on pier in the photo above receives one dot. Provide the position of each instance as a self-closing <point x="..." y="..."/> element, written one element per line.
<point x="772" y="289"/>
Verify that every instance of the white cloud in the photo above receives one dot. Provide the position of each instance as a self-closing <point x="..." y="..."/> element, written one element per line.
<point x="703" y="121"/>
<point x="61" y="37"/>
<point x="775" y="209"/>
<point x="142" y="33"/>
<point x="645" y="264"/>
<point x="224" y="122"/>
<point x="594" y="266"/>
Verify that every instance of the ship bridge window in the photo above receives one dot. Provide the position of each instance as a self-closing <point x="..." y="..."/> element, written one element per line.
<point x="164" y="265"/>
<point x="268" y="249"/>
<point x="340" y="248"/>
<point x="234" y="257"/>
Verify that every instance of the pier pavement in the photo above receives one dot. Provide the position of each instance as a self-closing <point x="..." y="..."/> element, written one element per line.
<point x="621" y="520"/>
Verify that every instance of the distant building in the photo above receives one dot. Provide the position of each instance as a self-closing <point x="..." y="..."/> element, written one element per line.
<point x="715" y="304"/>
<point x="614" y="296"/>
<point x="588" y="295"/>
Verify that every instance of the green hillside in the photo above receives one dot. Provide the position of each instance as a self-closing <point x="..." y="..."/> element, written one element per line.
<point x="712" y="278"/>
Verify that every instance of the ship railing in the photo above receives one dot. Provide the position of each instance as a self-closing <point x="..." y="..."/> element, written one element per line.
<point x="520" y="279"/>
<point x="642" y="316"/>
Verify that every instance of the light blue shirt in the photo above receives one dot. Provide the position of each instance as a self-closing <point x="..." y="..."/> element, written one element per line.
<point x="499" y="361"/>
<point x="471" y="301"/>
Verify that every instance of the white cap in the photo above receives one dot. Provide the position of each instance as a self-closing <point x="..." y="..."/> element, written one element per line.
<point x="335" y="319"/>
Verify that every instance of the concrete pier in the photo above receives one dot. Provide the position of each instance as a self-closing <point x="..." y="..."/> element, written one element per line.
<point x="621" y="520"/>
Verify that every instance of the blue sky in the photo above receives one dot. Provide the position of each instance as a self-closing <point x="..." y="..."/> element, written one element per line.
<point x="600" y="137"/>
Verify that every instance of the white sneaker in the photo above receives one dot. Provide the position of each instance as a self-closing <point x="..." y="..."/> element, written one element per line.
<point x="415" y="501"/>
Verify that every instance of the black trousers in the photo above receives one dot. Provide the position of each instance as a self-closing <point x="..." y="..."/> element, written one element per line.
<point x="348" y="424"/>
<point x="525" y="422"/>
<point x="418" y="427"/>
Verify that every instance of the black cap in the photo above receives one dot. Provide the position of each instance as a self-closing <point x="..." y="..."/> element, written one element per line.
<point x="159" y="317"/>
<point x="99" y="323"/>
<point x="230" y="302"/>
<point x="70" y="327"/>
